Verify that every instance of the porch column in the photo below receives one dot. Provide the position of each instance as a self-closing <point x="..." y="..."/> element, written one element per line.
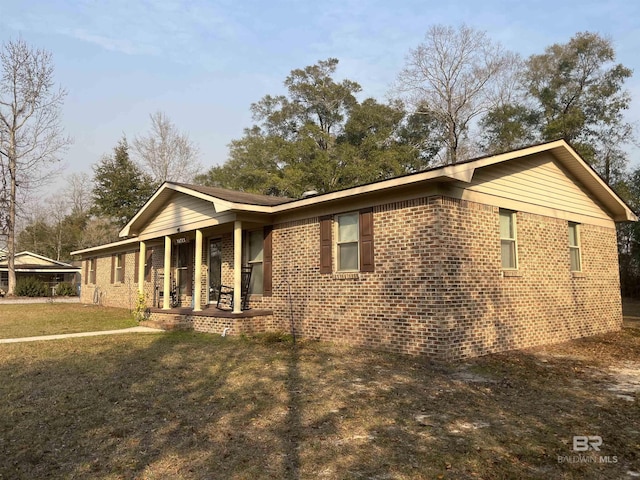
<point x="197" y="287"/>
<point x="237" y="266"/>
<point x="141" y="259"/>
<point x="166" y="299"/>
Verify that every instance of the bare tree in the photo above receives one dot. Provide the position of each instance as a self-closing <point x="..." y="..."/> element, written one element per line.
<point x="78" y="192"/>
<point x="31" y="137"/>
<point x="455" y="75"/>
<point x="166" y="153"/>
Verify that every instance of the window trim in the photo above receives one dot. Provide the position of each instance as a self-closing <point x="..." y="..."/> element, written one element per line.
<point x="513" y="240"/>
<point x="119" y="267"/>
<point x="93" y="264"/>
<point x="338" y="243"/>
<point x="247" y="243"/>
<point x="576" y="247"/>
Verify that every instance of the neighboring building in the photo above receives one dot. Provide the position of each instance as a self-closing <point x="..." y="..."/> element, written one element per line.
<point x="496" y="253"/>
<point x="50" y="272"/>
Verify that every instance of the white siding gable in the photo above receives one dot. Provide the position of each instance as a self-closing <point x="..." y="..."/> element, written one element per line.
<point x="537" y="184"/>
<point x="181" y="211"/>
<point x="32" y="260"/>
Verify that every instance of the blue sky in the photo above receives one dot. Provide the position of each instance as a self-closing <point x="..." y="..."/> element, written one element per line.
<point x="204" y="62"/>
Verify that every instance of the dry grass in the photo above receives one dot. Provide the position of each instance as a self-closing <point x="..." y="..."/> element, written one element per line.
<point x="193" y="406"/>
<point x="30" y="320"/>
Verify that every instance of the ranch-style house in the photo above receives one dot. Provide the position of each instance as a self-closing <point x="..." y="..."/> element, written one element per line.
<point x="491" y="254"/>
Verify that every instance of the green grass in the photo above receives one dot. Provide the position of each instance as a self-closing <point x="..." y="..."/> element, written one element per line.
<point x="195" y="406"/>
<point x="30" y="320"/>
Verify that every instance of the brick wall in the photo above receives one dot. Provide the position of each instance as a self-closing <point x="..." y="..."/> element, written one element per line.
<point x="484" y="310"/>
<point x="439" y="288"/>
<point x="122" y="294"/>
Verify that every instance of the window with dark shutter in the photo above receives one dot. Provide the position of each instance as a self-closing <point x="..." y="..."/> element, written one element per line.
<point x="267" y="255"/>
<point x="93" y="265"/>
<point x="366" y="241"/>
<point x="325" y="244"/>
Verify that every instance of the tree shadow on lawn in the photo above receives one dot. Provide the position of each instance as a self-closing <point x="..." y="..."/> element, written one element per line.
<point x="198" y="406"/>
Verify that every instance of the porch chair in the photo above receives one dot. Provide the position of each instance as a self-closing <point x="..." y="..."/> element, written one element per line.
<point x="225" y="293"/>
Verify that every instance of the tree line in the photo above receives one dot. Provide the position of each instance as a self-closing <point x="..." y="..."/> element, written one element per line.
<point x="458" y="96"/>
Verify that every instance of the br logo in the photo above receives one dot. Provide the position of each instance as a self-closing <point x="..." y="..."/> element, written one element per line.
<point x="583" y="443"/>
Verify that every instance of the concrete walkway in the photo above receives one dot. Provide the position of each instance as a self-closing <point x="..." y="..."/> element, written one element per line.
<point x="21" y="300"/>
<point x="82" y="334"/>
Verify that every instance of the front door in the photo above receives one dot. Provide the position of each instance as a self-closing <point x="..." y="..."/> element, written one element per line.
<point x="183" y="270"/>
<point x="215" y="268"/>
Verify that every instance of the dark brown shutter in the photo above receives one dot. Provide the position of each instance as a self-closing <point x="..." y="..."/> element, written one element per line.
<point x="113" y="268"/>
<point x="86" y="271"/>
<point x="190" y="250"/>
<point x="325" y="244"/>
<point x="136" y="266"/>
<point x="147" y="266"/>
<point x="267" y="255"/>
<point x="123" y="260"/>
<point x="366" y="241"/>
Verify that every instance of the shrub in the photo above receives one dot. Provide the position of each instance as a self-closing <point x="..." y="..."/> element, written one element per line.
<point x="30" y="287"/>
<point x="66" y="290"/>
<point x="141" y="311"/>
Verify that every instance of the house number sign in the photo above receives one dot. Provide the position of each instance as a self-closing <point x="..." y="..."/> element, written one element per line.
<point x="181" y="240"/>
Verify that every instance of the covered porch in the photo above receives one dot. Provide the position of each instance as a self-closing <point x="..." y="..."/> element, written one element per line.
<point x="205" y="237"/>
<point x="191" y="267"/>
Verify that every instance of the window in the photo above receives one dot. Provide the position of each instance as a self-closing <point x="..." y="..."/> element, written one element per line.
<point x="255" y="257"/>
<point x="92" y="270"/>
<point x="353" y="248"/>
<point x="508" y="244"/>
<point x="347" y="254"/>
<point x="574" y="247"/>
<point x="120" y="268"/>
<point x="4" y="279"/>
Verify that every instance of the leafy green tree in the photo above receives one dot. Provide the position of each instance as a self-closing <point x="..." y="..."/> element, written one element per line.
<point x="54" y="235"/>
<point x="508" y="127"/>
<point x="120" y="188"/>
<point x="629" y="236"/>
<point x="319" y="137"/>
<point x="574" y="91"/>
<point x="35" y="238"/>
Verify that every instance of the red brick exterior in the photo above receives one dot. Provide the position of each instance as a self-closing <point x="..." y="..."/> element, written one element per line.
<point x="437" y="288"/>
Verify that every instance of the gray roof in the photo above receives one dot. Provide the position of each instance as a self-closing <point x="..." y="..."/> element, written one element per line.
<point x="236" y="196"/>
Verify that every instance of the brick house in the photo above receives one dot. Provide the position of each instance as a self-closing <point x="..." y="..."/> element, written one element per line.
<point x="491" y="254"/>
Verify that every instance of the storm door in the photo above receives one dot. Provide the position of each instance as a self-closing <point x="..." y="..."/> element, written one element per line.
<point x="215" y="268"/>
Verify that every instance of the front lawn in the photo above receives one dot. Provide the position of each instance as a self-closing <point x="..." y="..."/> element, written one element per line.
<point x="195" y="406"/>
<point x="31" y="320"/>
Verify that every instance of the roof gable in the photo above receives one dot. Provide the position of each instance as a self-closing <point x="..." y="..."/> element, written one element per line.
<point x="163" y="205"/>
<point x="159" y="208"/>
<point x="538" y="183"/>
<point x="33" y="260"/>
<point x="464" y="172"/>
